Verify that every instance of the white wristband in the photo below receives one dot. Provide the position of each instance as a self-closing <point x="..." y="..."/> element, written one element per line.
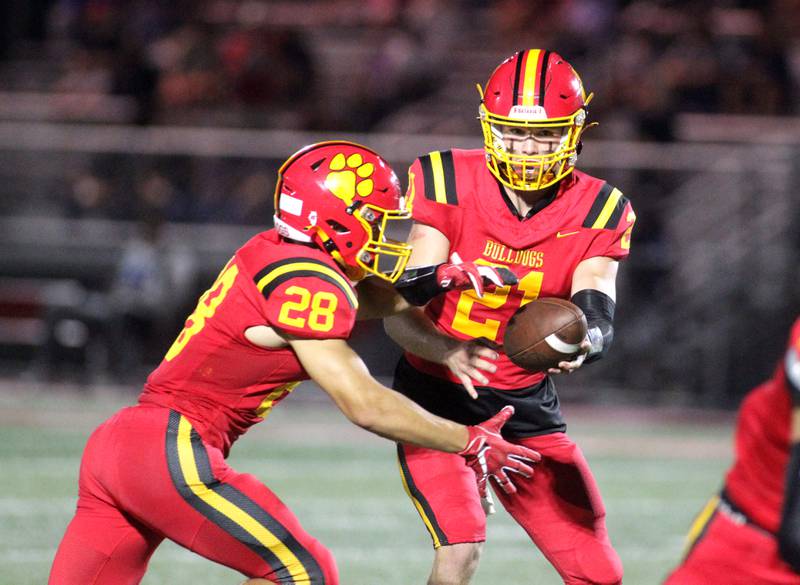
<point x="596" y="339"/>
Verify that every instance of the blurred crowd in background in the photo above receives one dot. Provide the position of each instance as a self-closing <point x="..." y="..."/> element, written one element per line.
<point x="375" y="65"/>
<point x="259" y="63"/>
<point x="386" y="67"/>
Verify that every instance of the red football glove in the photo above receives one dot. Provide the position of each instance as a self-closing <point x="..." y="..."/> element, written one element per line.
<point x="490" y="455"/>
<point x="461" y="275"/>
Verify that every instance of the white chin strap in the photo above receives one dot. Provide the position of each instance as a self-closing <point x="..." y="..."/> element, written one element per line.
<point x="288" y="231"/>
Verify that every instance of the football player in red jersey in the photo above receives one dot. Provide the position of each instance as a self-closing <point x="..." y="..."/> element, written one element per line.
<point x="280" y="311"/>
<point x="749" y="534"/>
<point x="518" y="203"/>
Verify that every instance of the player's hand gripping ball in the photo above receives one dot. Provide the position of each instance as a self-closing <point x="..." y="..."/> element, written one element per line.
<point x="543" y="333"/>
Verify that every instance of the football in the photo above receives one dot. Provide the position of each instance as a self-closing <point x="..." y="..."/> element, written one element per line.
<point x="544" y="332"/>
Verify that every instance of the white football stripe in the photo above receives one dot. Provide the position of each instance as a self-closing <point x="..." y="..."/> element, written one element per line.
<point x="560" y="346"/>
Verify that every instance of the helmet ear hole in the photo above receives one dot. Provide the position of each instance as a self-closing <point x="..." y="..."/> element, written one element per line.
<point x="337" y="227"/>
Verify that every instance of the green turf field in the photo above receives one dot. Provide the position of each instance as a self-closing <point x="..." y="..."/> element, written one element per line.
<point x="655" y="473"/>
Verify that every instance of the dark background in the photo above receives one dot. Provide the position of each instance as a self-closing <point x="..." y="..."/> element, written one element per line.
<point x="139" y="141"/>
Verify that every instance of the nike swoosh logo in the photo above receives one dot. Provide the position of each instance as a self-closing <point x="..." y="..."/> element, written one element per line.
<point x="565" y="234"/>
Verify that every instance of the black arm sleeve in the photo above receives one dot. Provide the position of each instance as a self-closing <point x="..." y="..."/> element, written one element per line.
<point x="418" y="285"/>
<point x="789" y="531"/>
<point x="599" y="310"/>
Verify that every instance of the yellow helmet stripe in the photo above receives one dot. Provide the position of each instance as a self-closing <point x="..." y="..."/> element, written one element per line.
<point x="533" y="65"/>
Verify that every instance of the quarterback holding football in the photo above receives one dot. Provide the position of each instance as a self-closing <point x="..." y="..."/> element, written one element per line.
<point x="517" y="205"/>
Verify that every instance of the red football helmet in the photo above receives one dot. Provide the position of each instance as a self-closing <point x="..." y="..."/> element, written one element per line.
<point x="341" y="196"/>
<point x="533" y="91"/>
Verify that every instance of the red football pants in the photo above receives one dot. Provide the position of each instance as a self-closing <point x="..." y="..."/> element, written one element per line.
<point x="726" y="553"/>
<point x="560" y="507"/>
<point x="147" y="475"/>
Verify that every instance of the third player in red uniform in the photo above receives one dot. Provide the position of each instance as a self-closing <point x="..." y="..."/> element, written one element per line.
<point x="519" y="204"/>
<point x="279" y="312"/>
<point x="749" y="534"/>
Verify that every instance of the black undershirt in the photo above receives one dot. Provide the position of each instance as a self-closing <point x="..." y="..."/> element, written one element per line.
<point x="537" y="207"/>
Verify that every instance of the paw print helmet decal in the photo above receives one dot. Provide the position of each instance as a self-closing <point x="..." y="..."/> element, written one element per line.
<point x="342" y="196"/>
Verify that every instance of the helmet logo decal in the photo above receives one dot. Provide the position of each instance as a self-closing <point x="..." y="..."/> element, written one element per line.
<point x="349" y="177"/>
<point x="528" y="113"/>
<point x="290" y="204"/>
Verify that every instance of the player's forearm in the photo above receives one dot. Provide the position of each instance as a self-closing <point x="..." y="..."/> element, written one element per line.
<point x="414" y="332"/>
<point x="378" y="299"/>
<point x="391" y="415"/>
<point x="395" y="417"/>
<point x="599" y="310"/>
<point x="342" y="374"/>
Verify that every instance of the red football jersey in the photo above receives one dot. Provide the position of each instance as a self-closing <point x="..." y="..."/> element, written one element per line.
<point x="217" y="378"/>
<point x="454" y="192"/>
<point x="756" y="482"/>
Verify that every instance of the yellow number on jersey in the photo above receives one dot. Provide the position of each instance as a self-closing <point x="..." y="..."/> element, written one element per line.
<point x="487" y="328"/>
<point x="530" y="285"/>
<point x="323" y="306"/>
<point x="625" y="241"/>
<point x="205" y="309"/>
<point x="299" y="306"/>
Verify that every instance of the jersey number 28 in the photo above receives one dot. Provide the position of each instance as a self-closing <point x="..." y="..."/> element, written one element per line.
<point x="322" y="304"/>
